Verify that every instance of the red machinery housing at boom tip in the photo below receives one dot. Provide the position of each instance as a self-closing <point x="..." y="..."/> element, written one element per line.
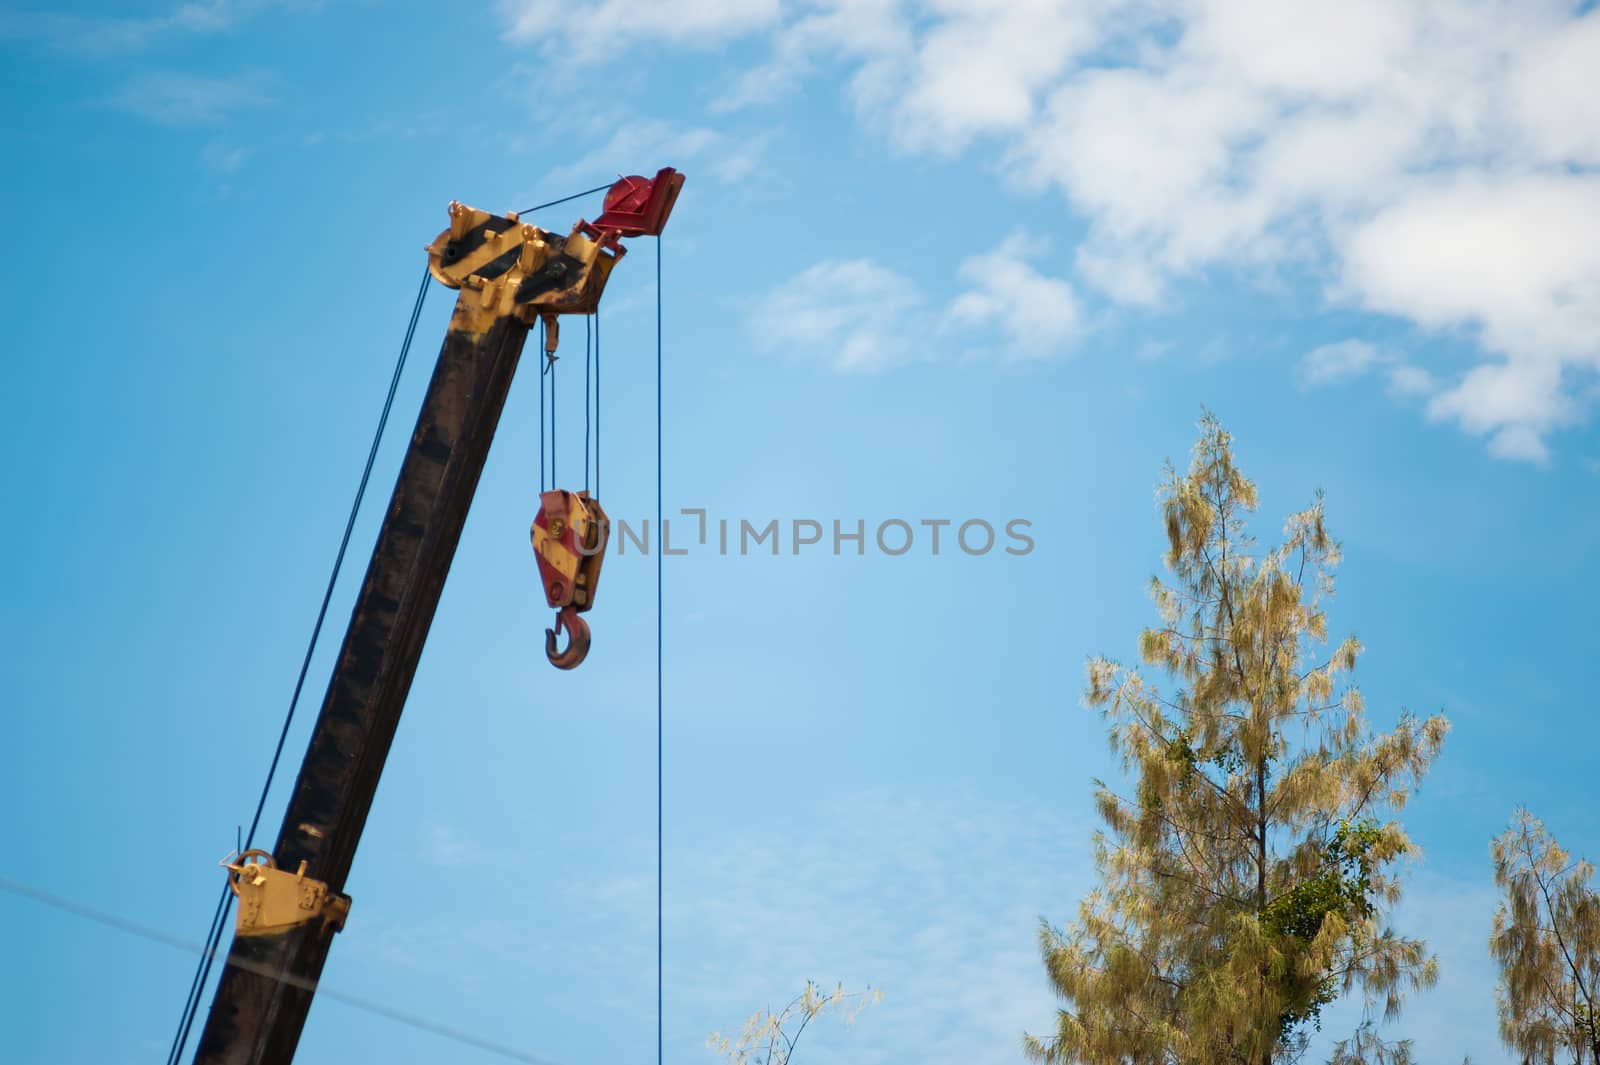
<point x="638" y="206"/>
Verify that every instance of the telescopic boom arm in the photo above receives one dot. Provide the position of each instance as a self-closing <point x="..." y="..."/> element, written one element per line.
<point x="291" y="899"/>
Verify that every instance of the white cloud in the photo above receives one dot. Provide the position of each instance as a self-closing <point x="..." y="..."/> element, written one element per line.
<point x="871" y="33"/>
<point x="1338" y="362"/>
<point x="1407" y="380"/>
<point x="1038" y="315"/>
<point x="727" y="159"/>
<point x="852" y="313"/>
<point x="223" y="158"/>
<point x="858" y="315"/>
<point x="1553" y="92"/>
<point x="588" y="31"/>
<point x="979" y="69"/>
<point x="1377" y="135"/>
<point x="1352" y="359"/>
<point x="1440" y="159"/>
<point x="174" y="99"/>
<point x="1514" y="402"/>
<point x="1515" y="257"/>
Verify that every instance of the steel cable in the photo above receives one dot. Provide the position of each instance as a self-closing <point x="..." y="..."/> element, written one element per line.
<point x="660" y="552"/>
<point x="219" y="917"/>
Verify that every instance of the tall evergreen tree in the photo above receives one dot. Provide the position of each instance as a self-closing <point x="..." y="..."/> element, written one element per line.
<point x="1244" y="883"/>
<point x="1547" y="943"/>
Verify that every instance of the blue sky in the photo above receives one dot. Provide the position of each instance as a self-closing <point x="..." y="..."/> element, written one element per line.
<point x="955" y="259"/>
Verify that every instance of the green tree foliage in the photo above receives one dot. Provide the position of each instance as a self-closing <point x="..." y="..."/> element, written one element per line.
<point x="1547" y="943"/>
<point x="769" y="1038"/>
<point x="1244" y="884"/>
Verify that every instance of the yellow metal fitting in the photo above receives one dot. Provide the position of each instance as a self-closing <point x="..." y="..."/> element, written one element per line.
<point x="507" y="268"/>
<point x="274" y="900"/>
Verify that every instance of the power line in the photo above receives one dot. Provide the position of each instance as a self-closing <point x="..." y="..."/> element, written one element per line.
<point x="156" y="935"/>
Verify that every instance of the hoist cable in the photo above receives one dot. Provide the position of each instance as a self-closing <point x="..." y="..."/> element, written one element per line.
<point x="550" y="367"/>
<point x="597" y="401"/>
<point x="660" y="553"/>
<point x="541" y="410"/>
<point x="586" y="357"/>
<point x="219" y="918"/>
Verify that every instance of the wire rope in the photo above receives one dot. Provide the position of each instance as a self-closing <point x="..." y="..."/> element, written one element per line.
<point x="219" y="917"/>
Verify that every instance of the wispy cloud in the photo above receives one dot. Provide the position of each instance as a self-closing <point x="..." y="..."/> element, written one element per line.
<point x="859" y="315"/>
<point x="593" y="30"/>
<point x="100" y="34"/>
<point x="1340" y="361"/>
<point x="937" y="903"/>
<point x="1346" y="361"/>
<point x="449" y="846"/>
<point x="725" y="158"/>
<point x="852" y="314"/>
<point x="1037" y="315"/>
<point x="223" y="158"/>
<point x="1407" y="380"/>
<point x="175" y="99"/>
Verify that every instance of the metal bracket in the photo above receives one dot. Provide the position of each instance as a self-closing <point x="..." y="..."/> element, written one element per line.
<point x="507" y="269"/>
<point x="275" y="900"/>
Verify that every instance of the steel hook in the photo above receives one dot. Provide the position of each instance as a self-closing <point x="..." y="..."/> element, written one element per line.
<point x="577" y="639"/>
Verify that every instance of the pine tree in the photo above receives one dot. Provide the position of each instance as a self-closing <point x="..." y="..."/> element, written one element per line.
<point x="1244" y="884"/>
<point x="1547" y="942"/>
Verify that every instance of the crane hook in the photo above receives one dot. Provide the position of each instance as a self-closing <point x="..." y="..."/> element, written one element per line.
<point x="577" y="639"/>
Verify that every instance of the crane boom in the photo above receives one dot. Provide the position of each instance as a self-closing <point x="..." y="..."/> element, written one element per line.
<point x="510" y="275"/>
<point x="256" y="1019"/>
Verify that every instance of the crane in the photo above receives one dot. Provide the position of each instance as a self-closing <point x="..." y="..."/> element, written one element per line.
<point x="509" y="275"/>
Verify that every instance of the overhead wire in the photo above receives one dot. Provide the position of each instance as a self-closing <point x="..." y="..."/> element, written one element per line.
<point x="156" y="935"/>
